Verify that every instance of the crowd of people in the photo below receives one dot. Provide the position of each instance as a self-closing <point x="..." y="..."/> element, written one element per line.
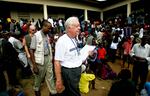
<point x="50" y="50"/>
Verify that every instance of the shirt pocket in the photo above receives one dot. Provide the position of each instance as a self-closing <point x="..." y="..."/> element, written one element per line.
<point x="39" y="47"/>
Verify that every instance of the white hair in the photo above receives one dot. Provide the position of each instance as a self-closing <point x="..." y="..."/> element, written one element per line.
<point x="32" y="26"/>
<point x="70" y="21"/>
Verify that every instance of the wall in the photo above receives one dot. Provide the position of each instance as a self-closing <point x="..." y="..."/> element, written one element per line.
<point x="35" y="15"/>
<point x="57" y="3"/>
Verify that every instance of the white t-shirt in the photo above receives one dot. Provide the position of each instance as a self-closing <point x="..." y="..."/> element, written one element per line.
<point x="60" y="23"/>
<point x="141" y="33"/>
<point x="51" y="21"/>
<point x="66" y="51"/>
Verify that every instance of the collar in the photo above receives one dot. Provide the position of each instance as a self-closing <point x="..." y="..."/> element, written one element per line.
<point x="142" y="46"/>
<point x="43" y="35"/>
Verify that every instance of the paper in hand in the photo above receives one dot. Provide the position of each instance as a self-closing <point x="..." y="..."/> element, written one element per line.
<point x="84" y="52"/>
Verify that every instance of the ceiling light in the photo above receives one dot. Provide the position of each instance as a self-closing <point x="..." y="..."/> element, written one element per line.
<point x="100" y="0"/>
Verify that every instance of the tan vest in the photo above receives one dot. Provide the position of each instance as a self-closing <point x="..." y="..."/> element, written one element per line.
<point x="39" y="52"/>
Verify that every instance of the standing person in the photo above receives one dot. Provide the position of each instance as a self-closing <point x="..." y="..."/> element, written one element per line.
<point x="67" y="60"/>
<point x="41" y="57"/>
<point x="50" y="19"/>
<point x="101" y="58"/>
<point x="140" y="54"/>
<point x="18" y="42"/>
<point x="127" y="48"/>
<point x="31" y="31"/>
<point x="114" y="46"/>
<point x="8" y="63"/>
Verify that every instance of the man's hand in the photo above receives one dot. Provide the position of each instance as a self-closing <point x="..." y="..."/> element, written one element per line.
<point x="59" y="86"/>
<point x="28" y="56"/>
<point x="91" y="53"/>
<point x="134" y="58"/>
<point x="137" y="58"/>
<point x="35" y="70"/>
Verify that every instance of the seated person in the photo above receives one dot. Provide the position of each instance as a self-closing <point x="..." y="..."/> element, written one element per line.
<point x="124" y="86"/>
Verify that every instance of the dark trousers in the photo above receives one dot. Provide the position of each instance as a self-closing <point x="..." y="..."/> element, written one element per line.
<point x="126" y="57"/>
<point x="113" y="55"/>
<point x="11" y="69"/>
<point x="71" y="78"/>
<point x="100" y="64"/>
<point x="93" y="66"/>
<point x="2" y="82"/>
<point x="140" y="69"/>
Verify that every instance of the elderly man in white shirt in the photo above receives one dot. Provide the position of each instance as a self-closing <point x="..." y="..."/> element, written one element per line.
<point x="67" y="60"/>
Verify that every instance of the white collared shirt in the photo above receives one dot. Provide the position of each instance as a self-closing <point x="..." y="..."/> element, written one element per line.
<point x="140" y="51"/>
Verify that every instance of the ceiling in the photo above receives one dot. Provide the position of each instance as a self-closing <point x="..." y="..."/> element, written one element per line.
<point x="96" y="3"/>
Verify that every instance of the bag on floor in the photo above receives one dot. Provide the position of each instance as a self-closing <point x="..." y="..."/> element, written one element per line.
<point x="107" y="72"/>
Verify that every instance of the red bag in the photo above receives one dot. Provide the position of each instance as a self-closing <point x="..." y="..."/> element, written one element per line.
<point x="107" y="72"/>
<point x="104" y="72"/>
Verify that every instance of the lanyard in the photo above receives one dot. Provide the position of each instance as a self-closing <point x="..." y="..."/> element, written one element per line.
<point x="75" y="44"/>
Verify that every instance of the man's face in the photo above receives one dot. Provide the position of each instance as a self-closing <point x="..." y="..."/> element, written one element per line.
<point x="32" y="30"/>
<point x="144" y="41"/>
<point x="75" y="29"/>
<point x="47" y="28"/>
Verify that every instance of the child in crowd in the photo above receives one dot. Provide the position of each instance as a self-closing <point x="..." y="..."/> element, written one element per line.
<point x="127" y="48"/>
<point x="92" y="63"/>
<point x="101" y="58"/>
<point x="86" y="77"/>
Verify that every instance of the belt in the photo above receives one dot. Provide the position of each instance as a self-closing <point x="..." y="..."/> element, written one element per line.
<point x="46" y="54"/>
<point x="70" y="68"/>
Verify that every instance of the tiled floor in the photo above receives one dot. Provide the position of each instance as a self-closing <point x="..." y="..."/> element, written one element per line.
<point x="102" y="86"/>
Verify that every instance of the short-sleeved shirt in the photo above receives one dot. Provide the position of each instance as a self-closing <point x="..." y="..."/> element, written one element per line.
<point x="28" y="40"/>
<point x="33" y="42"/>
<point x="66" y="52"/>
<point x="16" y="44"/>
